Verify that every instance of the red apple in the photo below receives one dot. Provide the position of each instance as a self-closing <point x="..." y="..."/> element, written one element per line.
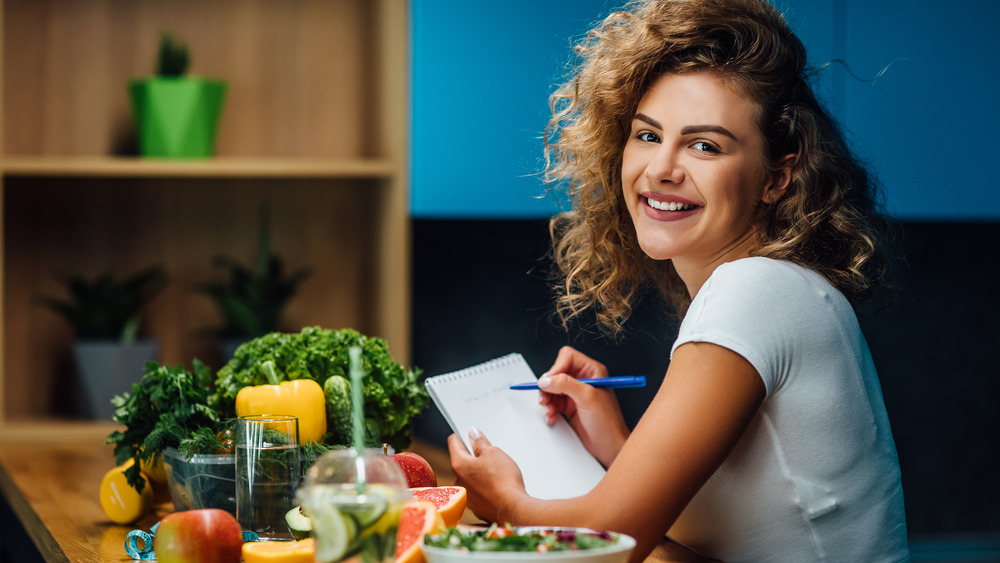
<point x="207" y="535"/>
<point x="418" y="471"/>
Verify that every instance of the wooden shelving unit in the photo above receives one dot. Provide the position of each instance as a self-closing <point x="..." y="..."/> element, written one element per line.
<point x="314" y="127"/>
<point x="223" y="167"/>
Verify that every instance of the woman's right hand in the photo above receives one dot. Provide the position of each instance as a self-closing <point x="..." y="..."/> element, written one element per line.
<point x="593" y="413"/>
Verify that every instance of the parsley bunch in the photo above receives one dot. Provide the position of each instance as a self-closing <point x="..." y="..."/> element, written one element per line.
<point x="165" y="407"/>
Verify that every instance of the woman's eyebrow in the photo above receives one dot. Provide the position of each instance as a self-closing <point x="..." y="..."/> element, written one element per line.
<point x="648" y="120"/>
<point x="690" y="129"/>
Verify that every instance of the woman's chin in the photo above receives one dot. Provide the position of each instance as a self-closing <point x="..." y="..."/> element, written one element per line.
<point x="656" y="252"/>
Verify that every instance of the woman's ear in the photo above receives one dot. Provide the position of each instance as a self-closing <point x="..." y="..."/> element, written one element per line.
<point x="781" y="178"/>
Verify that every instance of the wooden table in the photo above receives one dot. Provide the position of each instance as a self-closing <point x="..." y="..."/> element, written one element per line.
<point x="52" y="489"/>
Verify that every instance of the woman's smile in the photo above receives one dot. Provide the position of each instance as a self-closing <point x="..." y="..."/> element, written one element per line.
<point x="661" y="208"/>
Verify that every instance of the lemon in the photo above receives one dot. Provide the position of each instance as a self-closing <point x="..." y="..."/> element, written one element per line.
<point x="120" y="501"/>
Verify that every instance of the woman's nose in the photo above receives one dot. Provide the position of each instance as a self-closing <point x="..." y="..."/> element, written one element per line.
<point x="663" y="168"/>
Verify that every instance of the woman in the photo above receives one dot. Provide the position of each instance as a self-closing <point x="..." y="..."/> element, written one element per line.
<point x="699" y="163"/>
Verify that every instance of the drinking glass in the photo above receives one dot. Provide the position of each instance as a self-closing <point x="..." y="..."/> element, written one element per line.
<point x="354" y="501"/>
<point x="267" y="473"/>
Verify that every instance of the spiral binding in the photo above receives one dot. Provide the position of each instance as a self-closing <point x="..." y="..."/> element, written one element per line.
<point x="474" y="370"/>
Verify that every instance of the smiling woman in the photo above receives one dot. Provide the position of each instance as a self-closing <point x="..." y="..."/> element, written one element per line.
<point x="693" y="174"/>
<point x="700" y="164"/>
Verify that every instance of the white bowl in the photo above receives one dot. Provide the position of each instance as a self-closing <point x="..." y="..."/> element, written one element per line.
<point x="617" y="553"/>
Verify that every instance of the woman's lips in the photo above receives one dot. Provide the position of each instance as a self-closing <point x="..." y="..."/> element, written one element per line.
<point x="668" y="209"/>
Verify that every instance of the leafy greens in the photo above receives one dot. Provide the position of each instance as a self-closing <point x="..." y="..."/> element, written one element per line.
<point x="393" y="395"/>
<point x="163" y="408"/>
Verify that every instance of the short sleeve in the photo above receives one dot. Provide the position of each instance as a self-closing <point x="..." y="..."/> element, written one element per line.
<point x="754" y="307"/>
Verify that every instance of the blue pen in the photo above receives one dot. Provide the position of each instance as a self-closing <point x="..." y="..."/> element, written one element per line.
<point x="620" y="382"/>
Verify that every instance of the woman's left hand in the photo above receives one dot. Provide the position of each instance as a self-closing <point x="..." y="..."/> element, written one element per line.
<point x="492" y="480"/>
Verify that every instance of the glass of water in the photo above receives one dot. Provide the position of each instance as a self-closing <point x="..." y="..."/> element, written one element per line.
<point x="267" y="473"/>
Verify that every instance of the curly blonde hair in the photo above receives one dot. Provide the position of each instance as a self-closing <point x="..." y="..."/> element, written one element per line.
<point x="828" y="219"/>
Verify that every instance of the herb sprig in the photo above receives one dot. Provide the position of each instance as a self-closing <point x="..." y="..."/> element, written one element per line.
<point x="163" y="408"/>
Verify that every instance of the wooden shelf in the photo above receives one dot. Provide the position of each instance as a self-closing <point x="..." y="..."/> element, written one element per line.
<point x="314" y="128"/>
<point x="223" y="167"/>
<point x="55" y="432"/>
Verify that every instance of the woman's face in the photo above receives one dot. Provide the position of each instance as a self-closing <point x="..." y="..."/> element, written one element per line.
<point x="692" y="171"/>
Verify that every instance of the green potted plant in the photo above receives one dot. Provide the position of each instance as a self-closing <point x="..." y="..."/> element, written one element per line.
<point x="176" y="116"/>
<point x="105" y="314"/>
<point x="252" y="299"/>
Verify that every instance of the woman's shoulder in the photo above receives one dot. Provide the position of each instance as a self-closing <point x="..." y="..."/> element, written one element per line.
<point x="761" y="285"/>
<point x="760" y="272"/>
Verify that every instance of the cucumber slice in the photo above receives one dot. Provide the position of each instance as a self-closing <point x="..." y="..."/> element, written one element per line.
<point x="368" y="513"/>
<point x="332" y="532"/>
<point x="298" y="523"/>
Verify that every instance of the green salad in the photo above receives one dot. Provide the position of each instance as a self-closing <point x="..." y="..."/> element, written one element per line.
<point x="506" y="538"/>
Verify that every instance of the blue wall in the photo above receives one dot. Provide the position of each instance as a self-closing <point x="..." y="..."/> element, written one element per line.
<point x="482" y="73"/>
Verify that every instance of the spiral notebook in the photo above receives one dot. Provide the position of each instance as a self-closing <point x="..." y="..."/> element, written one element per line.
<point x="553" y="460"/>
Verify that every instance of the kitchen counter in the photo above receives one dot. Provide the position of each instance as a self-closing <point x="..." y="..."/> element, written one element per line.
<point x="52" y="489"/>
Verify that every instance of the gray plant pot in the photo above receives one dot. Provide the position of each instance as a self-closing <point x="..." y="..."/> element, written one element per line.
<point x="107" y="368"/>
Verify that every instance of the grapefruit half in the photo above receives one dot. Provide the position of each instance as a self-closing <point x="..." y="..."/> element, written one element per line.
<point x="419" y="517"/>
<point x="450" y="501"/>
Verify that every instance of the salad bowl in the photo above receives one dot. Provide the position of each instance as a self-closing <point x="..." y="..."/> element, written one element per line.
<point x="616" y="549"/>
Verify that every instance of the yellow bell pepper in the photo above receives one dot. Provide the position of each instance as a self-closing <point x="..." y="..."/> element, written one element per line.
<point x="301" y="398"/>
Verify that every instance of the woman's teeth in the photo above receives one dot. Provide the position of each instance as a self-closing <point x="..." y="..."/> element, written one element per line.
<point x="669" y="205"/>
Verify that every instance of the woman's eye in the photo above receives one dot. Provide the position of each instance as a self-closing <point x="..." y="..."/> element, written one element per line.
<point x="704" y="147"/>
<point x="648" y="137"/>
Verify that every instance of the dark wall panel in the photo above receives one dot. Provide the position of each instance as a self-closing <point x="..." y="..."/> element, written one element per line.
<point x="481" y="291"/>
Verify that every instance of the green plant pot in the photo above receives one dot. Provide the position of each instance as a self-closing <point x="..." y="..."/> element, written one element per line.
<point x="177" y="117"/>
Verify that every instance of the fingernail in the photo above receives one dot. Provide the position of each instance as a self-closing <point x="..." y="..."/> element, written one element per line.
<point x="544" y="381"/>
<point x="474" y="433"/>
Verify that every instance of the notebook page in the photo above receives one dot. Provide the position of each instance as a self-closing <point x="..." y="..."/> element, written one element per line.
<point x="553" y="461"/>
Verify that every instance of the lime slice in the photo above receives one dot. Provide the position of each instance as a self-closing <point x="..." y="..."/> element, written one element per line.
<point x="389" y="519"/>
<point x="331" y="530"/>
<point x="367" y="513"/>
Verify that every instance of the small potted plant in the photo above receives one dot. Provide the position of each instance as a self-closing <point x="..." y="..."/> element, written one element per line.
<point x="176" y="116"/>
<point x="105" y="314"/>
<point x="252" y="299"/>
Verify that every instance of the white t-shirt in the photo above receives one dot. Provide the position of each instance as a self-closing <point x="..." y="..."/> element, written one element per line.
<point x="815" y="477"/>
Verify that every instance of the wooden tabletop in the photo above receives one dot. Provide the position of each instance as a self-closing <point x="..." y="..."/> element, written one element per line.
<point x="52" y="488"/>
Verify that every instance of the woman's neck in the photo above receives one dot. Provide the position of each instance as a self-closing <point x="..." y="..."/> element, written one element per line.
<point x="694" y="272"/>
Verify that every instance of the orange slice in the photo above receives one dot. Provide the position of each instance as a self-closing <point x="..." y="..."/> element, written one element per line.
<point x="301" y="551"/>
<point x="450" y="501"/>
<point x="419" y="517"/>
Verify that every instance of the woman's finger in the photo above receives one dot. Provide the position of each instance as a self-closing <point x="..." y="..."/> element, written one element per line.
<point x="478" y="441"/>
<point x="456" y="448"/>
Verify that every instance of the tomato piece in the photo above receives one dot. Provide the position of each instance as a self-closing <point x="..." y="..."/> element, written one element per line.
<point x="498" y="533"/>
<point x="226" y="442"/>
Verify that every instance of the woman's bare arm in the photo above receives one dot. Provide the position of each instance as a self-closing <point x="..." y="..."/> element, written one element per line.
<point x="707" y="399"/>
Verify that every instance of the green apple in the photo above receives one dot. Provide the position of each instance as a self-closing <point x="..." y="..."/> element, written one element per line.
<point x="207" y="535"/>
